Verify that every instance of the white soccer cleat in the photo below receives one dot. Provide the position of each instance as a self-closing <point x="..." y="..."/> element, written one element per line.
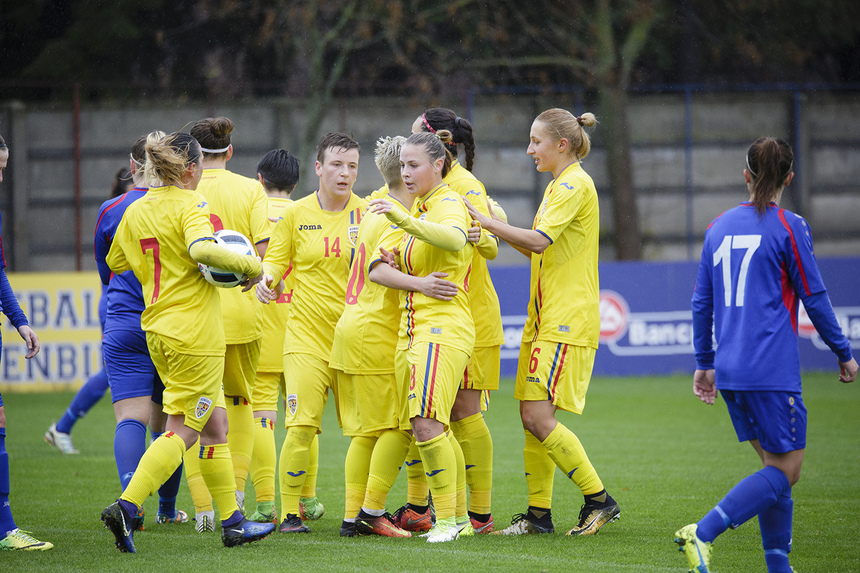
<point x="205" y="521"/>
<point x="443" y="530"/>
<point x="59" y="440"/>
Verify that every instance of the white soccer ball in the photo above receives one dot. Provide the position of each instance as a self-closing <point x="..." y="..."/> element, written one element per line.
<point x="235" y="241"/>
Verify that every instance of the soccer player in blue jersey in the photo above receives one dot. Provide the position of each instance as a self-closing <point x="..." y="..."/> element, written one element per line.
<point x="136" y="389"/>
<point x="59" y="434"/>
<point x="757" y="262"/>
<point x="12" y="538"/>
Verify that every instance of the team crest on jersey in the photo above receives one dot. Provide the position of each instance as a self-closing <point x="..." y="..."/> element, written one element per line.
<point x="292" y="403"/>
<point x="353" y="234"/>
<point x="203" y="406"/>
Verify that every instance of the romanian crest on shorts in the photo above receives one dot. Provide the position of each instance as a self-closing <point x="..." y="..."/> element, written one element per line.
<point x="353" y="234"/>
<point x="292" y="403"/>
<point x="203" y="406"/>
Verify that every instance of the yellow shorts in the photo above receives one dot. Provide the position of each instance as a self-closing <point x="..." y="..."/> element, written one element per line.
<point x="308" y="380"/>
<point x="432" y="372"/>
<point x="240" y="367"/>
<point x="370" y="404"/>
<point x="266" y="387"/>
<point x="192" y="384"/>
<point x="556" y="372"/>
<point x="482" y="372"/>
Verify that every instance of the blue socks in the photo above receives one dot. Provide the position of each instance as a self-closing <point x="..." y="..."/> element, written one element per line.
<point x="775" y="525"/>
<point x="129" y="444"/>
<point x="168" y="490"/>
<point x="234" y="519"/>
<point x="753" y="495"/>
<point x="7" y="524"/>
<point x="87" y="397"/>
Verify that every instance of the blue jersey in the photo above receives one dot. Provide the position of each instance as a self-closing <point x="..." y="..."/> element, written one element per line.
<point x="752" y="273"/>
<point x="125" y="295"/>
<point x="8" y="303"/>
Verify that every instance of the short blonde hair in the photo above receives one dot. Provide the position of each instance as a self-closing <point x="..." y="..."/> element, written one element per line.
<point x="387" y="157"/>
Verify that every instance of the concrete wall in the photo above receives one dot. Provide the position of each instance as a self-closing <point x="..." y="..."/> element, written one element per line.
<point x="37" y="198"/>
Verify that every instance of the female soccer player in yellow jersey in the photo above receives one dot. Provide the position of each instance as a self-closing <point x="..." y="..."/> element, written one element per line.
<point x="482" y="372"/>
<point x="162" y="237"/>
<point x="278" y="173"/>
<point x="436" y="336"/>
<point x="317" y="236"/>
<point x="561" y="333"/>
<point x="363" y="354"/>
<point x="237" y="203"/>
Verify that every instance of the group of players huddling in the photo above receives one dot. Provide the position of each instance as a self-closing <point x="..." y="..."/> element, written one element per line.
<point x="387" y="302"/>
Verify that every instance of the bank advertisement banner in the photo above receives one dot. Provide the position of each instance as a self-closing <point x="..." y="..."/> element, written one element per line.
<point x="646" y="321"/>
<point x="63" y="310"/>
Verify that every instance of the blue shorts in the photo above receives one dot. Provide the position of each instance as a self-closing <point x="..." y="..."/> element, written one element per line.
<point x="129" y="367"/>
<point x="776" y="419"/>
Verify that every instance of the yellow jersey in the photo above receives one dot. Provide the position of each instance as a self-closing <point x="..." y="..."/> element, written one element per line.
<point x="366" y="334"/>
<point x="275" y="313"/>
<point x="153" y="239"/>
<point x="240" y="204"/>
<point x="483" y="300"/>
<point x="564" y="294"/>
<point x="320" y="244"/>
<point x="425" y="319"/>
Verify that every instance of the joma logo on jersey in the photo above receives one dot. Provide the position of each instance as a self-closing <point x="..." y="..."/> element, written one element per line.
<point x="535" y="379"/>
<point x="310" y="227"/>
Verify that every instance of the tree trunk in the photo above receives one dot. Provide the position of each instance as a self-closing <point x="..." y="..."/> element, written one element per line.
<point x="625" y="211"/>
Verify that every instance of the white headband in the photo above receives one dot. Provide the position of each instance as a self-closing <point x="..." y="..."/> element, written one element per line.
<point x="204" y="150"/>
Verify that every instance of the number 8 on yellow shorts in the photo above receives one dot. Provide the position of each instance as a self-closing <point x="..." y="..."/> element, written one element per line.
<point x="434" y="372"/>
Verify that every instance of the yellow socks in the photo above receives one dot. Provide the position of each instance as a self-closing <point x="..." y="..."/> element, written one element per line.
<point x="567" y="452"/>
<point x="462" y="498"/>
<point x="157" y="464"/>
<point x="216" y="465"/>
<point x="199" y="492"/>
<point x="388" y="455"/>
<point x="440" y="466"/>
<point x="263" y="460"/>
<point x="309" y="488"/>
<point x="417" y="490"/>
<point x="295" y="457"/>
<point x="477" y="444"/>
<point x="356" y="469"/>
<point x="539" y="472"/>
<point x="240" y="438"/>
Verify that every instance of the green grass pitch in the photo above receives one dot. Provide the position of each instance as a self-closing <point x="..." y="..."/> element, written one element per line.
<point x="662" y="454"/>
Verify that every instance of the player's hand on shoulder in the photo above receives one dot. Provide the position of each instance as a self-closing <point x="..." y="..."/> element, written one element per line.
<point x="848" y="371"/>
<point x="380" y="206"/>
<point x="704" y="386"/>
<point x="32" y="341"/>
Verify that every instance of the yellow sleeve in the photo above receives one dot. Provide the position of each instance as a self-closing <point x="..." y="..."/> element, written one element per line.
<point x="215" y="255"/>
<point x="561" y="208"/>
<point x="196" y="223"/>
<point x="488" y="246"/>
<point x="445" y="237"/>
<point x="497" y="209"/>
<point x="279" y="253"/>
<point x="116" y="258"/>
<point x="260" y="224"/>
